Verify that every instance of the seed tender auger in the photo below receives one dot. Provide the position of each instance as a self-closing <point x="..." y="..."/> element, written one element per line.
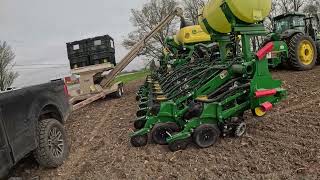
<point x="206" y="96"/>
<point x="87" y="60"/>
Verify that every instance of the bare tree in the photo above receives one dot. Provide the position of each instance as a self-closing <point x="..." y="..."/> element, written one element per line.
<point x="192" y="8"/>
<point x="291" y="5"/>
<point x="286" y="6"/>
<point x="7" y="75"/>
<point x="313" y="7"/>
<point x="310" y="8"/>
<point x="298" y="4"/>
<point x="147" y="18"/>
<point x="275" y="9"/>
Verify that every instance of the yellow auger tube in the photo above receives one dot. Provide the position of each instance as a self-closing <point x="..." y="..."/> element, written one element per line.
<point x="249" y="11"/>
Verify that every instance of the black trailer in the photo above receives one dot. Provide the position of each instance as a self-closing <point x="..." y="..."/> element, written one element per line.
<point x="91" y="51"/>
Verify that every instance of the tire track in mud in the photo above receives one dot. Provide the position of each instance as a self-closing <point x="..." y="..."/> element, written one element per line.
<point x="107" y="110"/>
<point x="292" y="105"/>
<point x="74" y="159"/>
<point x="304" y="104"/>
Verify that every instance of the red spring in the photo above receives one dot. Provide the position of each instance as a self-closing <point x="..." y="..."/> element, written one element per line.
<point x="265" y="50"/>
<point x="264" y="93"/>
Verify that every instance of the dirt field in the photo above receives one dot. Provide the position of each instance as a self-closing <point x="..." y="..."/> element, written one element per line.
<point x="283" y="145"/>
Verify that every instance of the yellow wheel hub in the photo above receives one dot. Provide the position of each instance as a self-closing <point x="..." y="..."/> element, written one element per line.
<point x="306" y="52"/>
<point x="259" y="112"/>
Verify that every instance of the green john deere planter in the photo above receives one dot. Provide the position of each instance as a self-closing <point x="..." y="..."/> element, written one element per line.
<point x="200" y="102"/>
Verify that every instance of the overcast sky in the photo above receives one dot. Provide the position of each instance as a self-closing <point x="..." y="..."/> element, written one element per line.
<point x="37" y="30"/>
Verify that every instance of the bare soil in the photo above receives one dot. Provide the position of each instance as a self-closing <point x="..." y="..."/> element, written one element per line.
<point x="282" y="145"/>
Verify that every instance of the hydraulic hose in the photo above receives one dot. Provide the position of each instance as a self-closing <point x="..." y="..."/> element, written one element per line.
<point x="201" y="81"/>
<point x="190" y="79"/>
<point x="219" y="97"/>
<point x="223" y="86"/>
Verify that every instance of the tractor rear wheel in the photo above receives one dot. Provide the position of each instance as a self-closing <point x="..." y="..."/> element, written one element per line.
<point x="162" y="131"/>
<point x="206" y="135"/>
<point x="302" y="52"/>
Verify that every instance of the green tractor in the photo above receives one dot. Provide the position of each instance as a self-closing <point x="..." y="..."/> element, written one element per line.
<point x="300" y="32"/>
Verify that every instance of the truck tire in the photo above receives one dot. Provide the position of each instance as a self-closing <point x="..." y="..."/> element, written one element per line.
<point x="53" y="148"/>
<point x="302" y="52"/>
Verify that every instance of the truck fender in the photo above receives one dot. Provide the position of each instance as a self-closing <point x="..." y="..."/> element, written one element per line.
<point x="38" y="104"/>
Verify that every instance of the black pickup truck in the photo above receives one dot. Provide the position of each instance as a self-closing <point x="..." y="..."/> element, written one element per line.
<point x="31" y="122"/>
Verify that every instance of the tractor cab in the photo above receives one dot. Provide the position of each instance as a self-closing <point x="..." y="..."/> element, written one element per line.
<point x="289" y="21"/>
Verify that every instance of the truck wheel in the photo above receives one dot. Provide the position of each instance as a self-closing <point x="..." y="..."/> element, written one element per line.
<point x="53" y="147"/>
<point x="302" y="52"/>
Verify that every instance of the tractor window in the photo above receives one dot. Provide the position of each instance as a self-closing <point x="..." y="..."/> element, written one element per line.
<point x="297" y="22"/>
<point x="282" y="25"/>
